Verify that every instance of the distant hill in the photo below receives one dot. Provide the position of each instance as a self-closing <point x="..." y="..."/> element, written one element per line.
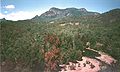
<point x="55" y="13"/>
<point x="111" y="16"/>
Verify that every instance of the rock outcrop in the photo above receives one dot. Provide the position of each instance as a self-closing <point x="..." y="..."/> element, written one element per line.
<point x="102" y="63"/>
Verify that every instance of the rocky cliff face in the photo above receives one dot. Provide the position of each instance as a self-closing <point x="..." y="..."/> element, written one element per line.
<point x="67" y="12"/>
<point x="55" y="13"/>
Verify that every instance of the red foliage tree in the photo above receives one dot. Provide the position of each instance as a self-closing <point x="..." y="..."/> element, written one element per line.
<point x="51" y="56"/>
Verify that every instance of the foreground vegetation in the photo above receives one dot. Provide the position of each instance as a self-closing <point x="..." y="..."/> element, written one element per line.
<point x="30" y="43"/>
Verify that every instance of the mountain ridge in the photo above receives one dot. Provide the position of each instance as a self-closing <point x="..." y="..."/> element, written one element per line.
<point x="56" y="13"/>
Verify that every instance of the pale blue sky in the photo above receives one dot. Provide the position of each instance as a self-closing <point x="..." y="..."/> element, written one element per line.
<point x="44" y="5"/>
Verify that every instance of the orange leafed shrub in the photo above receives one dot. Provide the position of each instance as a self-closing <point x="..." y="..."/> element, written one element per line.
<point x="51" y="56"/>
<point x="53" y="39"/>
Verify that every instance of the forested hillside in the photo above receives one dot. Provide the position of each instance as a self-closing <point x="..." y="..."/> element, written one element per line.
<point x="40" y="44"/>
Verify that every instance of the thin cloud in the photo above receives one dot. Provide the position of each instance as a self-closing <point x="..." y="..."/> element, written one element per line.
<point x="10" y="7"/>
<point x="2" y="16"/>
<point x="21" y="15"/>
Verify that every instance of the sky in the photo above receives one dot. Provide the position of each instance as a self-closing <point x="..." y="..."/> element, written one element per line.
<point x="27" y="9"/>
